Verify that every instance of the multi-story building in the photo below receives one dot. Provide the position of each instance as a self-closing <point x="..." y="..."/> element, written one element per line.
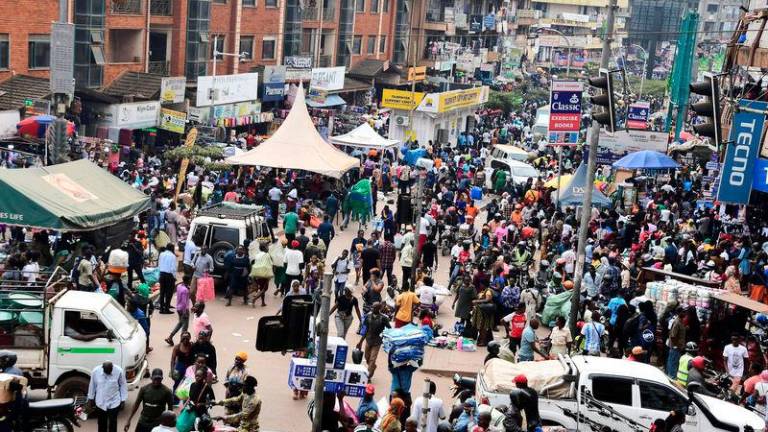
<point x="176" y="37"/>
<point x="718" y="19"/>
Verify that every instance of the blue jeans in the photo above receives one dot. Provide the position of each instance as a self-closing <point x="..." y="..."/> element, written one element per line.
<point x="339" y="288"/>
<point x="673" y="361"/>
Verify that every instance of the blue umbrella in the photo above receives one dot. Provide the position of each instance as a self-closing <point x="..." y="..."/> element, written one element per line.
<point x="646" y="159"/>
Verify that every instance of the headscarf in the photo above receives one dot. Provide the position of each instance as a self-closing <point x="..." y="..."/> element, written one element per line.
<point x="396" y="407"/>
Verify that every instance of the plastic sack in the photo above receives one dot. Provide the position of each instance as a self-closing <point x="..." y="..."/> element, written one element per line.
<point x="408" y="335"/>
<point x="182" y="391"/>
<point x="556" y="305"/>
<point x="151" y="275"/>
<point x="185" y="421"/>
<point x="476" y="193"/>
<point x="205" y="290"/>
<point x="406" y="353"/>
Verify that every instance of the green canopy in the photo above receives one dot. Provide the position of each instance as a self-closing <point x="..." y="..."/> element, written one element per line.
<point x="74" y="196"/>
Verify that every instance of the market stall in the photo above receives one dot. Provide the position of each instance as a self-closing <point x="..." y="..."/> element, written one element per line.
<point x="364" y="136"/>
<point x="573" y="194"/>
<point x="74" y="196"/>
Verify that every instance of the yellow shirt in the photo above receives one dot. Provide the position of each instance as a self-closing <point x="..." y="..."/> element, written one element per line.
<point x="405" y="302"/>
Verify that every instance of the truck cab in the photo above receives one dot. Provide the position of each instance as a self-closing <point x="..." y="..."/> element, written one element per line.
<point x="77" y="331"/>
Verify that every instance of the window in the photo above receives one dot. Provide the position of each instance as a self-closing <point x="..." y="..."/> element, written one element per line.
<point x="660" y="398"/>
<point x="220" y="1"/>
<point x="374" y="6"/>
<point x="712" y="7"/>
<point x="612" y="390"/>
<point x="385" y="6"/>
<point x="98" y="54"/>
<point x="359" y="5"/>
<point x="357" y="45"/>
<point x="5" y="51"/>
<point x="499" y="165"/>
<point x="249" y="3"/>
<point x="227" y="235"/>
<point x="270" y="3"/>
<point x="246" y="47"/>
<point x="371" y="45"/>
<point x="268" y="48"/>
<point x="218" y="46"/>
<point x="383" y="43"/>
<point x="83" y="325"/>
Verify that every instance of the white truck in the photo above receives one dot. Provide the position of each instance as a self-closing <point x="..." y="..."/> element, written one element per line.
<point x="587" y="393"/>
<point x="60" y="338"/>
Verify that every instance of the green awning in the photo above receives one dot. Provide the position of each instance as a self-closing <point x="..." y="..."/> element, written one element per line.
<point x="74" y="196"/>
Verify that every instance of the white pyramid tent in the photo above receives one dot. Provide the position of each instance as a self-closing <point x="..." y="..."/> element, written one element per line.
<point x="364" y="136"/>
<point x="297" y="145"/>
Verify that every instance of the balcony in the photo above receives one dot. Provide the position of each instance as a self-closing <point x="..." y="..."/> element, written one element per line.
<point x="126" y="7"/>
<point x="312" y="13"/>
<point x="161" y="7"/>
<point x="160" y="68"/>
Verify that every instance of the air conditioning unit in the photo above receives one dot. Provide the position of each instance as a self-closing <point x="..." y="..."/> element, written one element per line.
<point x="402" y="120"/>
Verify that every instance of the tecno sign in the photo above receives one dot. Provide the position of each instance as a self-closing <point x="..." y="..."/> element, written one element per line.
<point x="741" y="153"/>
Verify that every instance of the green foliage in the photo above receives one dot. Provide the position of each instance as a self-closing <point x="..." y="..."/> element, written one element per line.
<point x="511" y="101"/>
<point x="651" y="88"/>
<point x="197" y="154"/>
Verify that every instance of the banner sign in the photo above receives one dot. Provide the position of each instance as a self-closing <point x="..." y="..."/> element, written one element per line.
<point x="173" y="121"/>
<point x="418" y="73"/>
<point x="172" y="89"/>
<point x="614" y="146"/>
<point x="741" y="154"/>
<point x="188" y="142"/>
<point x="298" y="62"/>
<point x="227" y="89"/>
<point x="273" y="92"/>
<point x="760" y="176"/>
<point x="400" y="99"/>
<point x="565" y="106"/>
<point x="328" y="79"/>
<point x="637" y="115"/>
<point x="133" y="115"/>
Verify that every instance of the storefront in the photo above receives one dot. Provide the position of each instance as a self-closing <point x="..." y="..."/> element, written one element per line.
<point x="439" y="117"/>
<point x="240" y="116"/>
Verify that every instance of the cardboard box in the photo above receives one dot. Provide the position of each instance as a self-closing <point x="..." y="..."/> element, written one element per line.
<point x="301" y="376"/>
<point x="354" y="390"/>
<point x="336" y="353"/>
<point x="335" y="375"/>
<point x="356" y="375"/>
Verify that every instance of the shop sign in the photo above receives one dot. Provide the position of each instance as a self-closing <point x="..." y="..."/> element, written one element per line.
<point x="614" y="146"/>
<point x="328" y="79"/>
<point x="738" y="167"/>
<point x="227" y="89"/>
<point x="273" y="92"/>
<point x="298" y="62"/>
<point x="760" y="178"/>
<point x="565" y="106"/>
<point x="296" y="75"/>
<point x="418" y="73"/>
<point x="445" y="65"/>
<point x="317" y="95"/>
<point x="400" y="99"/>
<point x="34" y="107"/>
<point x="172" y="89"/>
<point x="475" y="23"/>
<point x="236" y="110"/>
<point x="451" y="100"/>
<point x="136" y="115"/>
<point x="173" y="121"/>
<point x="274" y="74"/>
<point x="637" y="115"/>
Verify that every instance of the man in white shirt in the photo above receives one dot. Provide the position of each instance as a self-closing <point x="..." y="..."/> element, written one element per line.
<point x="167" y="422"/>
<point x="435" y="411"/>
<point x="427" y="293"/>
<point x="735" y="358"/>
<point x="190" y="251"/>
<point x="570" y="258"/>
<point x="192" y="180"/>
<point x="293" y="259"/>
<point x="107" y="393"/>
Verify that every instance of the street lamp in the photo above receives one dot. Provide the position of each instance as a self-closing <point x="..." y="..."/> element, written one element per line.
<point x="567" y="41"/>
<point x="216" y="53"/>
<point x="645" y="65"/>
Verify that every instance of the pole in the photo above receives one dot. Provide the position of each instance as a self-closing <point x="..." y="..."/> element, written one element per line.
<point x="319" y="34"/>
<point x="322" y="345"/>
<point x="559" y="174"/>
<point x="417" y="226"/>
<point x="645" y="69"/>
<point x="589" y="186"/>
<point x="424" y="414"/>
<point x="212" y="116"/>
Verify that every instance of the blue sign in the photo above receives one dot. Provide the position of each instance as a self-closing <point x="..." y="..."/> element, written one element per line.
<point x="273" y="92"/>
<point x="741" y="154"/>
<point x="760" y="179"/>
<point x="566" y="102"/>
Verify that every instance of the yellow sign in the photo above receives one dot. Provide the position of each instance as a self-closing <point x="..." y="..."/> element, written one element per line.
<point x="418" y="73"/>
<point x="173" y="121"/>
<point x="459" y="99"/>
<point x="401" y="99"/>
<point x="189" y="142"/>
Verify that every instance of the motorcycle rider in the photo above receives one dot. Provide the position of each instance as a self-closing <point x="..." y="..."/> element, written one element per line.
<point x="682" y="369"/>
<point x="696" y="382"/>
<point x="8" y="363"/>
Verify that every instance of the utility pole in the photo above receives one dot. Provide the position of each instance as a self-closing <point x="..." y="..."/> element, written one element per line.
<point x="417" y="224"/>
<point x="62" y="83"/>
<point x="589" y="186"/>
<point x="322" y="346"/>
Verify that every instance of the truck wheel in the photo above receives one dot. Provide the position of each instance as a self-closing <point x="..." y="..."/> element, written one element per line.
<point x="75" y="387"/>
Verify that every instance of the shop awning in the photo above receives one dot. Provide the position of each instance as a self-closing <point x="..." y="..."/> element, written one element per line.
<point x="364" y="136"/>
<point x="297" y="145"/>
<point x="330" y="101"/>
<point x="741" y="301"/>
<point x="352" y="85"/>
<point x="74" y="196"/>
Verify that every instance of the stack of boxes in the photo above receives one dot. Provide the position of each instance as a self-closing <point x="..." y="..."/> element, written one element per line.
<point x="339" y="375"/>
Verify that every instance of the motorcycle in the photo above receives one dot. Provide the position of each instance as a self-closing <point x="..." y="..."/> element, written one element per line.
<point x="50" y="415"/>
<point x="461" y="384"/>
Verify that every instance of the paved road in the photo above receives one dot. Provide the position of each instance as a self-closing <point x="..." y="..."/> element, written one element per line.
<point x="235" y="330"/>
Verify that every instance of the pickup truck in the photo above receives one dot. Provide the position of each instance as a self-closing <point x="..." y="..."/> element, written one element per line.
<point x="583" y="393"/>
<point x="60" y="337"/>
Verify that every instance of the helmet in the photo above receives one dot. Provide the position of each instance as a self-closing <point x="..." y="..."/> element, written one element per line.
<point x="698" y="362"/>
<point x="691" y="347"/>
<point x="493" y="347"/>
<point x="7" y="358"/>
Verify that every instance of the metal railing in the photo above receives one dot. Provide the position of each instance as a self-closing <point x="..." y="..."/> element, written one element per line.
<point x="161" y="7"/>
<point x="160" y="68"/>
<point x="128" y="7"/>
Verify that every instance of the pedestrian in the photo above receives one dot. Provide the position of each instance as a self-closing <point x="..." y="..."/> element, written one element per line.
<point x="406" y="263"/>
<point x="293" y="259"/>
<point x="325" y="231"/>
<point x="388" y="253"/>
<point x="154" y="398"/>
<point x="344" y="306"/>
<point x="341" y="269"/>
<point x="375" y="324"/>
<point x="391" y="420"/>
<point x="434" y="412"/>
<point x="368" y="404"/>
<point x="234" y="380"/>
<point x="528" y="403"/>
<point x="372" y="290"/>
<point x="262" y="271"/>
<point x="182" y="308"/>
<point x="237" y="273"/>
<point x="167" y="264"/>
<point x="205" y="349"/>
<point x="203" y="264"/>
<point x="290" y="225"/>
<point x="405" y="305"/>
<point x="676" y="343"/>
<point x="107" y="393"/>
<point x="200" y="320"/>
<point x="247" y="418"/>
<point x="167" y="422"/>
<point x="483" y="316"/>
<point x="462" y="302"/>
<point x="528" y="342"/>
<point x="560" y="338"/>
<point x="190" y="253"/>
<point x="370" y="258"/>
<point x="736" y="359"/>
<point x="181" y="359"/>
<point x="277" y="255"/>
<point x="593" y="335"/>
<point x="135" y="261"/>
<point x="515" y="323"/>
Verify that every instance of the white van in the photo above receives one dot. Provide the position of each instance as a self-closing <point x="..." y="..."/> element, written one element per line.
<point x="519" y="172"/>
<point x="504" y="152"/>
<point x="541" y="127"/>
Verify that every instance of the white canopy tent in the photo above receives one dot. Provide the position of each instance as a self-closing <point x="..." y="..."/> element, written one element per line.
<point x="364" y="136"/>
<point x="297" y="145"/>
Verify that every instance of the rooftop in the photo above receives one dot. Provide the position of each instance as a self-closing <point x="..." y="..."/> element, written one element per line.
<point x="16" y="89"/>
<point x="140" y="85"/>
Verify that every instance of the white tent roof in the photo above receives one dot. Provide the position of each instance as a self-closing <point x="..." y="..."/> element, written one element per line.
<point x="297" y="145"/>
<point x="364" y="136"/>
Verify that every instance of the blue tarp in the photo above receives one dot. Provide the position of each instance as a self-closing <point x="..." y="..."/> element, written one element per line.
<point x="573" y="194"/>
<point x="411" y="156"/>
<point x="330" y="101"/>
<point x="646" y="159"/>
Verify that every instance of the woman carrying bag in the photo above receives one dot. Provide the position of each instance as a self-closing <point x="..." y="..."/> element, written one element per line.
<point x="261" y="273"/>
<point x="200" y="393"/>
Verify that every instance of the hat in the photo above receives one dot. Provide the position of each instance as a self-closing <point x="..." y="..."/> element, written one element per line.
<point x="143" y="290"/>
<point x="295" y="244"/>
<point x="242" y="355"/>
<point x="370" y="389"/>
<point x="157" y="373"/>
<point x="638" y="350"/>
<point x="521" y="379"/>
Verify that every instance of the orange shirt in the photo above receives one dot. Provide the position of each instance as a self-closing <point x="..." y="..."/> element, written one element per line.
<point x="472" y="211"/>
